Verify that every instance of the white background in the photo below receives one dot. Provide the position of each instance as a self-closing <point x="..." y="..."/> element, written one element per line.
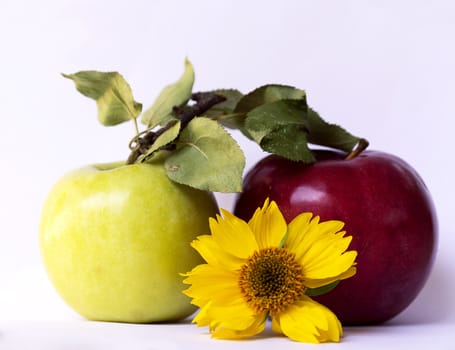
<point x="383" y="69"/>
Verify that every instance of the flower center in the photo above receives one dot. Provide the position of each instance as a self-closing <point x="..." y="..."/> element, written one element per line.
<point x="271" y="280"/>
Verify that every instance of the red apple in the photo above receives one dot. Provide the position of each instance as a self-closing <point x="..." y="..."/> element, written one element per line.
<point x="386" y="208"/>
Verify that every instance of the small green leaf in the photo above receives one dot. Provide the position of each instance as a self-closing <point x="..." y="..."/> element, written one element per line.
<point x="207" y="158"/>
<point x="172" y="95"/>
<point x="280" y="128"/>
<point x="313" y="292"/>
<point x="331" y="135"/>
<point x="112" y="93"/>
<point x="170" y="133"/>
<point x="266" y="94"/>
<point x="290" y="142"/>
<point x="274" y="115"/>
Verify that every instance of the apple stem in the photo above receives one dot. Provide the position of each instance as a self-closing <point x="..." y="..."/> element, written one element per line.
<point x="359" y="148"/>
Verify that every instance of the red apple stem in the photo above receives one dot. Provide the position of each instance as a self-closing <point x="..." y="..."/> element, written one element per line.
<point x="359" y="148"/>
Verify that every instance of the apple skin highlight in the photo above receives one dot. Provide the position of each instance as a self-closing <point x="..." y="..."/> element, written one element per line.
<point x="386" y="208"/>
<point x="115" y="239"/>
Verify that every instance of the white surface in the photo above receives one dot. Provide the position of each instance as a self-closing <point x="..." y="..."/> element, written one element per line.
<point x="85" y="335"/>
<point x="34" y="317"/>
<point x="383" y="69"/>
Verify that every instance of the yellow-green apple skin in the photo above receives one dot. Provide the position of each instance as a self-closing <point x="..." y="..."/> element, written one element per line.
<point x="115" y="238"/>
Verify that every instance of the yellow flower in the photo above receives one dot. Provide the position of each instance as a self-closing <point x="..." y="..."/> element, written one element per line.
<point x="265" y="268"/>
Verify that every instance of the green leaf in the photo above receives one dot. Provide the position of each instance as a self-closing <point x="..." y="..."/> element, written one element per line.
<point x="261" y="96"/>
<point x="331" y="135"/>
<point x="313" y="292"/>
<point x="267" y="94"/>
<point x="271" y="116"/>
<point x="290" y="142"/>
<point x="112" y="93"/>
<point x="286" y="127"/>
<point x="172" y="95"/>
<point x="280" y="128"/>
<point x="169" y="134"/>
<point x="207" y="158"/>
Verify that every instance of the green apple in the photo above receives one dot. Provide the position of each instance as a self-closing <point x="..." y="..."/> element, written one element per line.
<point x="115" y="237"/>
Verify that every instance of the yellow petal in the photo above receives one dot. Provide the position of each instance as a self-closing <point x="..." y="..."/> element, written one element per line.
<point x="202" y="319"/>
<point x="298" y="228"/>
<point x="232" y="320"/>
<point x="233" y="235"/>
<point x="268" y="225"/>
<point x="316" y="283"/>
<point x="276" y="327"/>
<point x="233" y="314"/>
<point x="304" y="231"/>
<point x="320" y="247"/>
<point x="211" y="284"/>
<point x="215" y="255"/>
<point x="309" y="321"/>
<point x="326" y="260"/>
<point x="256" y="327"/>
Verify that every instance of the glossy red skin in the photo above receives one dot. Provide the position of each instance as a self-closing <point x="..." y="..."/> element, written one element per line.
<point x="386" y="208"/>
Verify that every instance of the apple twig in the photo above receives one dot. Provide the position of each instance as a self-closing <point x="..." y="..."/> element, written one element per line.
<point x="204" y="101"/>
